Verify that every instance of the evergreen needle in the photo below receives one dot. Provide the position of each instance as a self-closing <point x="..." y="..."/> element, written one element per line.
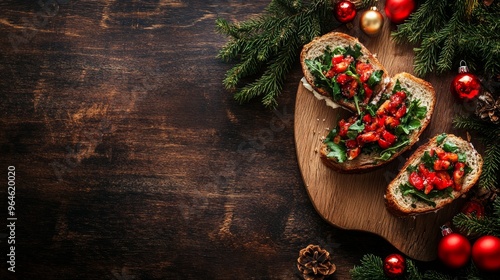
<point x="265" y="48"/>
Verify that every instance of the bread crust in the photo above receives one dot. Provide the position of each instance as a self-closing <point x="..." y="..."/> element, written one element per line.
<point x="399" y="207"/>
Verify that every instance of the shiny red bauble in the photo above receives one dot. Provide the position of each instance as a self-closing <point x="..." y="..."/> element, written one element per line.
<point x="473" y="208"/>
<point x="345" y="11"/>
<point x="486" y="253"/>
<point x="394" y="265"/>
<point x="399" y="10"/>
<point x="466" y="86"/>
<point x="454" y="250"/>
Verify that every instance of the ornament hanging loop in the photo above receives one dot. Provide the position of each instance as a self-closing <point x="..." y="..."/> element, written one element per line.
<point x="445" y="230"/>
<point x="463" y="67"/>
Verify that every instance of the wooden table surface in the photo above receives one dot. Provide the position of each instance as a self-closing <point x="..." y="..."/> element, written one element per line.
<point x="133" y="162"/>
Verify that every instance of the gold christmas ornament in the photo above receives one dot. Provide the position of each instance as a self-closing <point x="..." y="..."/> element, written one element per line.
<point x="371" y="21"/>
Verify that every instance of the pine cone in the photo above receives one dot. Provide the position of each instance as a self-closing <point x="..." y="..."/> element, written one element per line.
<point x="314" y="263"/>
<point x="488" y="108"/>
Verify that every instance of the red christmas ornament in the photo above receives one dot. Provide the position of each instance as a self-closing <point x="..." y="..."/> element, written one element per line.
<point x="465" y="85"/>
<point x="394" y="265"/>
<point x="345" y="11"/>
<point x="453" y="249"/>
<point x="399" y="10"/>
<point x="473" y="207"/>
<point x="486" y="253"/>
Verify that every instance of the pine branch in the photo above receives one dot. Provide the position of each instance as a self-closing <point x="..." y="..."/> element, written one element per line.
<point x="428" y="18"/>
<point x="496" y="210"/>
<point x="371" y="268"/>
<point x="489" y="134"/>
<point x="266" y="48"/>
<point x="434" y="275"/>
<point x="488" y="225"/>
<point x="486" y="130"/>
<point x="491" y="165"/>
<point x="447" y="31"/>
<point x="473" y="225"/>
<point x="412" y="271"/>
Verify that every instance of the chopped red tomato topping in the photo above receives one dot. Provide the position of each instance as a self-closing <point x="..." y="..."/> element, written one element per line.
<point x="446" y="172"/>
<point x="417" y="181"/>
<point x="364" y="70"/>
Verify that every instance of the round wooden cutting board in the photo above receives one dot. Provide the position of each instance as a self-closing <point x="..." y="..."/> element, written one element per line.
<point x="356" y="201"/>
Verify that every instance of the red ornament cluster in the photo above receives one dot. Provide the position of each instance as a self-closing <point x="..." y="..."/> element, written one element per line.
<point x="455" y="250"/>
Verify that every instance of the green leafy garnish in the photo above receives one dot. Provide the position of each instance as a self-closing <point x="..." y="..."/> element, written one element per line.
<point x="356" y="103"/>
<point x="441" y="138"/>
<point x="317" y="67"/>
<point x="387" y="153"/>
<point x="412" y="119"/>
<point x="354" y="52"/>
<point x="375" y="78"/>
<point x="331" y="135"/>
<point x="336" y="93"/>
<point x="428" y="160"/>
<point x="355" y="129"/>
<point x="408" y="189"/>
<point x="372" y="109"/>
<point x="462" y="157"/>
<point x="450" y="147"/>
<point x="411" y="168"/>
<point x="336" y="151"/>
<point x="415" y="110"/>
<point x="397" y="87"/>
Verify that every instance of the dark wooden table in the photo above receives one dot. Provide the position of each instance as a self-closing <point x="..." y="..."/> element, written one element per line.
<point x="133" y="162"/>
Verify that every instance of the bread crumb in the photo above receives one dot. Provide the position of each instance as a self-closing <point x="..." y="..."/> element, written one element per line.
<point x="327" y="128"/>
<point x="316" y="150"/>
<point x="324" y="119"/>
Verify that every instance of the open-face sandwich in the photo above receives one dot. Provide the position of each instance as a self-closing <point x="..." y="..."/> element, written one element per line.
<point x="389" y="113"/>
<point x="437" y="173"/>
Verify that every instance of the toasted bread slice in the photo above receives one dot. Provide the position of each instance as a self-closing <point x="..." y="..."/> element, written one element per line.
<point x="404" y="205"/>
<point x="419" y="90"/>
<point x="316" y="48"/>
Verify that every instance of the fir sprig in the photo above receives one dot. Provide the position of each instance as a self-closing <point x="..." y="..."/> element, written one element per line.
<point x="488" y="133"/>
<point x="447" y="31"/>
<point x="265" y="48"/>
<point x="372" y="268"/>
<point x="488" y="225"/>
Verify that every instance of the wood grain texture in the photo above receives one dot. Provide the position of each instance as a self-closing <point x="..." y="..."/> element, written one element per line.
<point x="134" y="162"/>
<point x="356" y="202"/>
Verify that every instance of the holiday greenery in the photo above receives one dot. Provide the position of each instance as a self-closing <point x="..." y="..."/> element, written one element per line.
<point x="372" y="268"/>
<point x="488" y="133"/>
<point x="265" y="48"/>
<point x="475" y="225"/>
<point x="447" y="31"/>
